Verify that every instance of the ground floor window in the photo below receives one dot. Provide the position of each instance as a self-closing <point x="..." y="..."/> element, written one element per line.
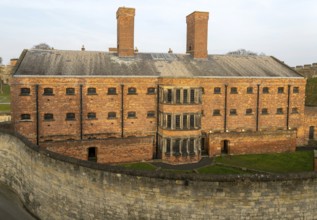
<point x="180" y="147"/>
<point x="92" y="154"/>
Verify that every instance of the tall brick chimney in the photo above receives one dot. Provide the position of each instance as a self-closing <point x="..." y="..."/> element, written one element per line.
<point x="125" y="31"/>
<point x="197" y="34"/>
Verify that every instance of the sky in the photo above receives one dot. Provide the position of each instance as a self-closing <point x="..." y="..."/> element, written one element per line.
<point x="283" y="29"/>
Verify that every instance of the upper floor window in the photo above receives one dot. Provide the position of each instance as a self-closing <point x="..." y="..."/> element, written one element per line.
<point x="295" y="89"/>
<point x="25" y="91"/>
<point x="25" y="116"/>
<point x="48" y="117"/>
<point x="112" y="115"/>
<point x="91" y="115"/>
<point x="150" y="114"/>
<point x="131" y="114"/>
<point x="178" y="96"/>
<point x="169" y="121"/>
<point x="233" y="111"/>
<point x="150" y="91"/>
<point x="91" y="91"/>
<point x="131" y="91"/>
<point x="264" y="111"/>
<point x="112" y="91"/>
<point x="216" y="112"/>
<point x="279" y="111"/>
<point x="178" y="121"/>
<point x="294" y="110"/>
<point x="234" y="90"/>
<point x="70" y="91"/>
<point x="280" y="90"/>
<point x="248" y="111"/>
<point x="70" y="116"/>
<point x="249" y="90"/>
<point x="265" y="90"/>
<point x="192" y="96"/>
<point x="169" y="96"/>
<point x="48" y="91"/>
<point x="185" y="96"/>
<point x="217" y="90"/>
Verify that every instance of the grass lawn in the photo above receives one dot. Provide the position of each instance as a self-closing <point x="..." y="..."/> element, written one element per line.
<point x="276" y="163"/>
<point x="311" y="92"/>
<point x="5" y="108"/>
<point x="5" y="98"/>
<point x="139" y="166"/>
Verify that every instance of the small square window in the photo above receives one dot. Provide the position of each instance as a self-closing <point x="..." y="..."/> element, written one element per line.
<point x="151" y="114"/>
<point x="217" y="90"/>
<point x="234" y="90"/>
<point x="279" y="111"/>
<point x="264" y="111"/>
<point x="295" y="89"/>
<point x="48" y="117"/>
<point x="48" y="91"/>
<point x="280" y="90"/>
<point x="150" y="91"/>
<point x="131" y="114"/>
<point x="294" y="110"/>
<point x="216" y="112"/>
<point x="233" y="111"/>
<point x="131" y="91"/>
<point x="91" y="115"/>
<point x="91" y="91"/>
<point x="112" y="91"/>
<point x="25" y="91"/>
<point x="70" y="116"/>
<point x="112" y="115"/>
<point x="25" y="117"/>
<point x="248" y="111"/>
<point x="70" y="91"/>
<point x="265" y="90"/>
<point x="249" y="90"/>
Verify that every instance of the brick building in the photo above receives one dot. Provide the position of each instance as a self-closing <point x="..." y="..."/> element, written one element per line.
<point x="123" y="105"/>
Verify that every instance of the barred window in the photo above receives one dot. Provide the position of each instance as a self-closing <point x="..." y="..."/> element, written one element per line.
<point x="185" y="96"/>
<point x="91" y="115"/>
<point x="264" y="111"/>
<point x="295" y="89"/>
<point x="192" y="96"/>
<point x="48" y="116"/>
<point x="48" y="91"/>
<point x="131" y="91"/>
<point x="70" y="91"/>
<point x="169" y="96"/>
<point x="169" y="121"/>
<point x="217" y="90"/>
<point x="150" y="91"/>
<point x="151" y="114"/>
<point x="248" y="111"/>
<point x="178" y="96"/>
<point x="91" y="91"/>
<point x="25" y="91"/>
<point x="192" y="121"/>
<point x="178" y="121"/>
<point x="131" y="114"/>
<point x="112" y="91"/>
<point x="279" y="111"/>
<point x="216" y="112"/>
<point x="185" y="126"/>
<point x="25" y="116"/>
<point x="70" y="116"/>
<point x="249" y="90"/>
<point x="234" y="90"/>
<point x="233" y="111"/>
<point x="280" y="90"/>
<point x="265" y="90"/>
<point x="112" y="115"/>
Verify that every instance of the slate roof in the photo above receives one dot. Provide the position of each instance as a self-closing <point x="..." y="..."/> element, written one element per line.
<point x="93" y="63"/>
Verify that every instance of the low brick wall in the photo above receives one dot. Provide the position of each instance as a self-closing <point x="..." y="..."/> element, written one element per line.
<point x="53" y="186"/>
<point x="253" y="142"/>
<point x="130" y="149"/>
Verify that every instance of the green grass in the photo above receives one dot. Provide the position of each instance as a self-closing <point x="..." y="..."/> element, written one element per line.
<point x="5" y="96"/>
<point x="311" y="92"/>
<point x="5" y="108"/>
<point x="139" y="166"/>
<point x="216" y="169"/>
<point x="275" y="163"/>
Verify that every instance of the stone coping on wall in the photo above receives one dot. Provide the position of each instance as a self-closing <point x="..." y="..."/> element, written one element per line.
<point x="184" y="177"/>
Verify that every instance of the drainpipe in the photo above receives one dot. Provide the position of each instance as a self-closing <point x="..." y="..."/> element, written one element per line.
<point x="81" y="111"/>
<point x="225" y="114"/>
<point x="288" y="105"/>
<point x="37" y="113"/>
<point x="257" y="108"/>
<point x="122" y="111"/>
<point x="157" y="118"/>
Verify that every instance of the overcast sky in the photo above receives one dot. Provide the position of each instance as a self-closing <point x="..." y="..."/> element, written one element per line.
<point x="286" y="29"/>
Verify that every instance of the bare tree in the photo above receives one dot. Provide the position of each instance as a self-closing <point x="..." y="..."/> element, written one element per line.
<point x="244" y="52"/>
<point x="42" y="46"/>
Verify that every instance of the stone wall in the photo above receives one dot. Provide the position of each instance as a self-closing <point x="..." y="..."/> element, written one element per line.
<point x="56" y="187"/>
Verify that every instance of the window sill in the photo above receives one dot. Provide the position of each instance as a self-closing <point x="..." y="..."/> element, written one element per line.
<point x="132" y="118"/>
<point x="92" y="94"/>
<point x="112" y="118"/>
<point x="25" y="94"/>
<point x="49" y="120"/>
<point x="216" y="115"/>
<point x="112" y="93"/>
<point x="132" y="94"/>
<point x="26" y="120"/>
<point x="70" y="94"/>
<point x="48" y="94"/>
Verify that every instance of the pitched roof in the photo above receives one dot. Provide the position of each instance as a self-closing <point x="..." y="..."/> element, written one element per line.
<point x="92" y="63"/>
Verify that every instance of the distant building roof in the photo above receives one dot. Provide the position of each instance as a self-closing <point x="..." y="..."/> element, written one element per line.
<point x="92" y="63"/>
